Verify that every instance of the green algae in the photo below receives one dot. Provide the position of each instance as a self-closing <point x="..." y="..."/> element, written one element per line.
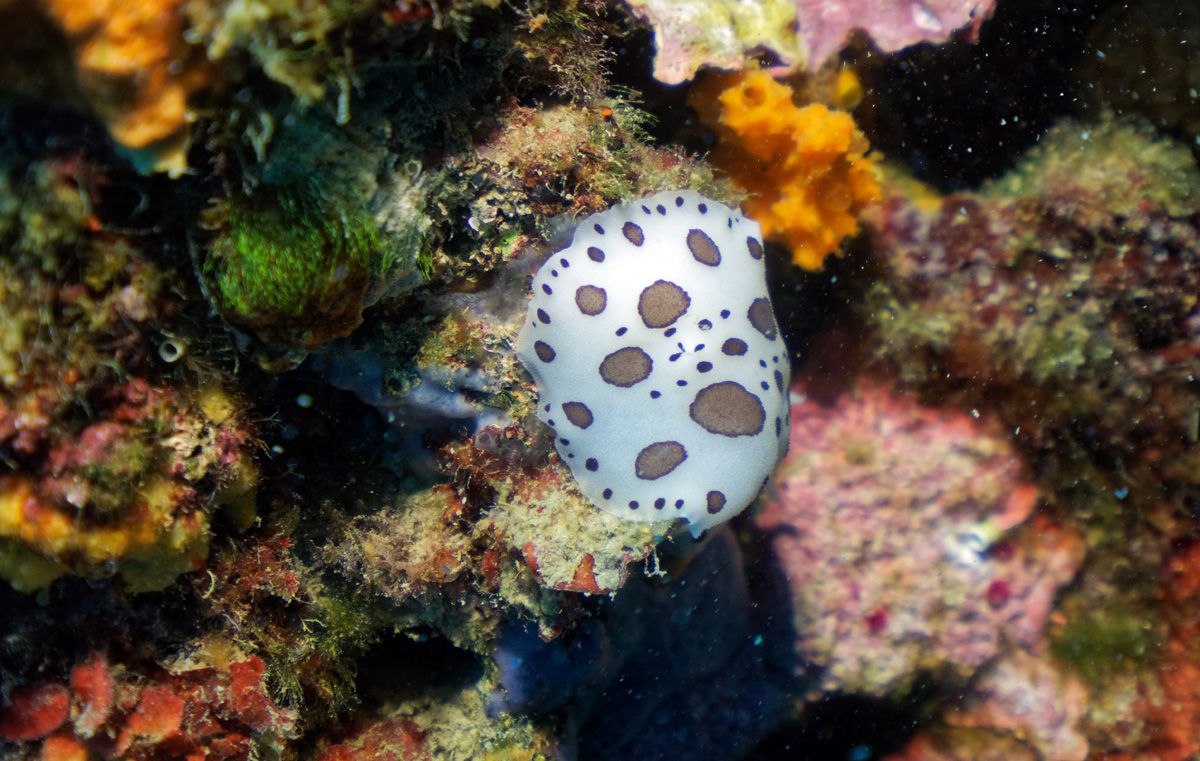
<point x="1096" y="643"/>
<point x="287" y="253"/>
<point x="1115" y="163"/>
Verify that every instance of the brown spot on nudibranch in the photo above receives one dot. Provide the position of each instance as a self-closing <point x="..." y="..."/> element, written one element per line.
<point x="595" y="254"/>
<point x="541" y="315"/>
<point x="633" y="234"/>
<point x="543" y="351"/>
<point x="662" y="303"/>
<point x="734" y="347"/>
<point x="755" y="247"/>
<point x="703" y="249"/>
<point x="590" y="299"/>
<point x="625" y="367"/>
<point x="659" y="459"/>
<point x="716" y="501"/>
<point x="578" y="413"/>
<point x="728" y="409"/>
<point x="761" y="318"/>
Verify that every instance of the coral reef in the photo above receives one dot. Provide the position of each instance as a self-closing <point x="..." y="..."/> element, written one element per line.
<point x="803" y="168"/>
<point x="1073" y="321"/>
<point x="899" y="531"/>
<point x="113" y="467"/>
<point x="1064" y="310"/>
<point x="80" y="515"/>
<point x="277" y="473"/>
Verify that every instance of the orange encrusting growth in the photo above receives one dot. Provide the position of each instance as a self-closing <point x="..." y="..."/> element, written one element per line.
<point x="137" y="69"/>
<point x="803" y="167"/>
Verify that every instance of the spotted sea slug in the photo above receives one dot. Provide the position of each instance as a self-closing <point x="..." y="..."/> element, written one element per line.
<point x="658" y="360"/>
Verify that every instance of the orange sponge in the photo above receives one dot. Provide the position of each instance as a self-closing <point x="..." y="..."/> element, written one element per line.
<point x="803" y="168"/>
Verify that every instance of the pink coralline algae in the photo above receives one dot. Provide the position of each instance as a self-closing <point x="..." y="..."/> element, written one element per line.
<point x="899" y="529"/>
<point x="726" y="34"/>
<point x="1024" y="706"/>
<point x="1033" y="699"/>
<point x="891" y="24"/>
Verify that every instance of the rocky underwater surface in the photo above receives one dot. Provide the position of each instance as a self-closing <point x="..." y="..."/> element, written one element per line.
<point x="599" y="379"/>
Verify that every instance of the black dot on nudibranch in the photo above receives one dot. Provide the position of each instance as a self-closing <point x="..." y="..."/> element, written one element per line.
<point x="669" y="332"/>
<point x="595" y="254"/>
<point x="578" y="413"/>
<point x="705" y="325"/>
<point x="662" y="303"/>
<point x="598" y="228"/>
<point x="546" y="289"/>
<point x="727" y="409"/>
<point x="678" y="504"/>
<point x="734" y="347"/>
<point x="659" y="459"/>
<point x="626" y="367"/>
<point x="544" y="351"/>
<point x="592" y="464"/>
<point x="716" y="501"/>
<point x="661" y="209"/>
<point x="765" y="386"/>
<point x="679" y="200"/>
<point x="565" y="264"/>
<point x="655" y="394"/>
<point x="633" y="233"/>
<point x="778" y="426"/>
<point x="755" y="247"/>
<point x="725" y="314"/>
<point x="541" y="315"/>
<point x="762" y="318"/>
<point x="703" y="249"/>
<point x="779" y="381"/>
<point x="607" y="494"/>
<point x="633" y="504"/>
<point x="553" y="273"/>
<point x="646" y="209"/>
<point x="660" y="503"/>
<point x="704" y="366"/>
<point x="591" y="299"/>
<point x="703" y="208"/>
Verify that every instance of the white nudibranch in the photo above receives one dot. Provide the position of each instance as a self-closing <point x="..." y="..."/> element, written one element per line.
<point x="658" y="360"/>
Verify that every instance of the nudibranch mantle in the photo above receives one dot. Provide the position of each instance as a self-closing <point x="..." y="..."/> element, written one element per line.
<point x="659" y="361"/>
